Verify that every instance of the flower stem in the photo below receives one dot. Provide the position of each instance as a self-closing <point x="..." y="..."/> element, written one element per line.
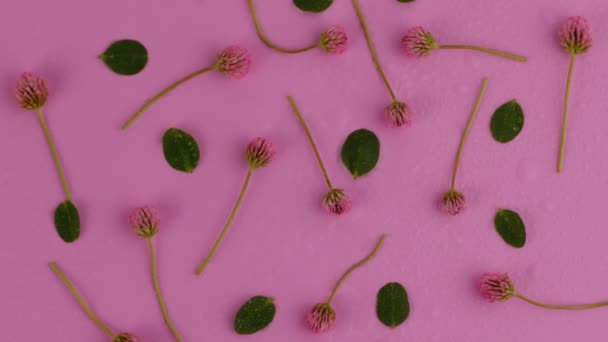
<point x="467" y="129"/>
<point x="372" y="49"/>
<point x="490" y="51"/>
<point x="312" y="141"/>
<point x="80" y="300"/>
<point x="267" y="41"/>
<point x="167" y="90"/>
<point x="49" y="140"/>
<point x="159" y="296"/>
<point x="219" y="240"/>
<point x="355" y="266"/>
<point x="562" y="146"/>
<point x="561" y="307"/>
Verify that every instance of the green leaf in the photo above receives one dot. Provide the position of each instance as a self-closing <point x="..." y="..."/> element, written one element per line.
<point x="315" y="6"/>
<point x="256" y="314"/>
<point x="181" y="150"/>
<point x="360" y="152"/>
<point x="67" y="221"/>
<point x="392" y="305"/>
<point x="510" y="227"/>
<point x="125" y="57"/>
<point x="507" y="122"/>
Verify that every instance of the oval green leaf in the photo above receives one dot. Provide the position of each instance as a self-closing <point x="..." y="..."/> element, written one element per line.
<point x="392" y="305"/>
<point x="510" y="227"/>
<point x="360" y="152"/>
<point x="315" y="6"/>
<point x="125" y="57"/>
<point x="67" y="221"/>
<point x="256" y="314"/>
<point x="507" y="122"/>
<point x="181" y="150"/>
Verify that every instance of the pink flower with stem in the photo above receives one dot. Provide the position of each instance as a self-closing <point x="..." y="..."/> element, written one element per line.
<point x="335" y="201"/>
<point x="145" y="222"/>
<point x="322" y="317"/>
<point x="419" y="42"/>
<point x="259" y="153"/>
<point x="398" y="114"/>
<point x="232" y="61"/>
<point x="333" y="40"/>
<point x="121" y="337"/>
<point x="575" y="38"/>
<point x="453" y="202"/>
<point x="497" y="287"/>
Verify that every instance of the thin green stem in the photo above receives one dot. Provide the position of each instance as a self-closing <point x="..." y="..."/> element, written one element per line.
<point x="267" y="41"/>
<point x="562" y="146"/>
<point x="49" y="140"/>
<point x="490" y="51"/>
<point x="354" y="267"/>
<point x="467" y="129"/>
<point x="167" y="90"/>
<point x="561" y="307"/>
<point x="159" y="296"/>
<point x="312" y="141"/>
<point x="219" y="240"/>
<point x="372" y="49"/>
<point x="80" y="300"/>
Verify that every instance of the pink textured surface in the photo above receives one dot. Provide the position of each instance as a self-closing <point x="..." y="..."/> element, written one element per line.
<point x="282" y="243"/>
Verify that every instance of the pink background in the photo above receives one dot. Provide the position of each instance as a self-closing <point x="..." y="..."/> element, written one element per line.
<point x="282" y="244"/>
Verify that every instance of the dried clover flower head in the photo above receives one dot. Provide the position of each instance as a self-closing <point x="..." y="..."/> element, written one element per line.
<point x="145" y="221"/>
<point x="418" y="42"/>
<point x="31" y="91"/>
<point x="259" y="153"/>
<point x="453" y="202"/>
<point x="575" y="35"/>
<point x="334" y="40"/>
<point x="398" y="114"/>
<point x="125" y="337"/>
<point x="337" y="202"/>
<point x="321" y="318"/>
<point x="234" y="61"/>
<point x="496" y="287"/>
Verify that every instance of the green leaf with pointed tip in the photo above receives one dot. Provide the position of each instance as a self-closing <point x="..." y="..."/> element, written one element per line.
<point x="507" y="122"/>
<point x="67" y="221"/>
<point x="510" y="227"/>
<point x="392" y="305"/>
<point x="315" y="6"/>
<point x="256" y="314"/>
<point x="360" y="152"/>
<point x="181" y="150"/>
<point x="125" y="57"/>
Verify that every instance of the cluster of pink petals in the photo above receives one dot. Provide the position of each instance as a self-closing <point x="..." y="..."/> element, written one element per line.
<point x="234" y="61"/>
<point x="31" y="91"/>
<point x="418" y="42"/>
<point x="334" y="40"/>
<point x="145" y="221"/>
<point x="496" y="287"/>
<point x="398" y="114"/>
<point x="575" y="35"/>
<point x="337" y="202"/>
<point x="259" y="153"/>
<point x="453" y="202"/>
<point x="125" y="337"/>
<point x="321" y="318"/>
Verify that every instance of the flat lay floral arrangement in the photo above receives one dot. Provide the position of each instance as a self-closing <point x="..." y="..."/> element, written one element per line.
<point x="319" y="170"/>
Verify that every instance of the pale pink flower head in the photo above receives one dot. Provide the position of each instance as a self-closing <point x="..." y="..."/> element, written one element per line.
<point x="496" y="287"/>
<point x="334" y="40"/>
<point x="337" y="202"/>
<point x="31" y="91"/>
<point x="145" y="221"/>
<point x="125" y="337"/>
<point x="418" y="42"/>
<point x="321" y="318"/>
<point x="234" y="61"/>
<point x="259" y="153"/>
<point x="453" y="202"/>
<point x="575" y="35"/>
<point x="398" y="114"/>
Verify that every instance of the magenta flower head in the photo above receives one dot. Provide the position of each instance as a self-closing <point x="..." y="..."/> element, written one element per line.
<point x="418" y="42"/>
<point x="334" y="40"/>
<point x="496" y="287"/>
<point x="125" y="337"/>
<point x="31" y="91"/>
<point x="337" y="202"/>
<point x="259" y="153"/>
<point x="145" y="221"/>
<point x="575" y="35"/>
<point x="398" y="114"/>
<point x="234" y="61"/>
<point x="453" y="202"/>
<point x="322" y="318"/>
